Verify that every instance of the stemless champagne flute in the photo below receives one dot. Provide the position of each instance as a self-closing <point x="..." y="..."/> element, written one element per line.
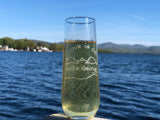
<point x="80" y="83"/>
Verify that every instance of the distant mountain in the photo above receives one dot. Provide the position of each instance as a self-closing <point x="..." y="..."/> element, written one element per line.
<point x="121" y="48"/>
<point x="61" y="43"/>
<point x="110" y="47"/>
<point x="131" y="49"/>
<point x="37" y="41"/>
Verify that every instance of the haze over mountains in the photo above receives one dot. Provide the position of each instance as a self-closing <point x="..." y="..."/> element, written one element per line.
<point x="131" y="49"/>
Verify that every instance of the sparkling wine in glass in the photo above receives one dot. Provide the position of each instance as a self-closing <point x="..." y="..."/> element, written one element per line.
<point x="80" y="82"/>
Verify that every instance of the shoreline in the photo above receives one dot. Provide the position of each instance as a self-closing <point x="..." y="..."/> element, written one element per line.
<point x="26" y="51"/>
<point x="62" y="52"/>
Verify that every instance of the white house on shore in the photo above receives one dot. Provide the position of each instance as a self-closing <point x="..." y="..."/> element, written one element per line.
<point x="39" y="49"/>
<point x="44" y="49"/>
<point x="6" y="48"/>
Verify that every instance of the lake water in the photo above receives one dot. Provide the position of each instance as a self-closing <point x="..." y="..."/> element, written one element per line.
<point x="30" y="86"/>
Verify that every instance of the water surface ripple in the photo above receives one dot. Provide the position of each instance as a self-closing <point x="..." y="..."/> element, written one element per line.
<point x="30" y="86"/>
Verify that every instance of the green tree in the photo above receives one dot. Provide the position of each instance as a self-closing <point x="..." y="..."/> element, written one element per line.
<point x="30" y="44"/>
<point x="7" y="41"/>
<point x="59" y="47"/>
<point x="1" y="42"/>
<point x="104" y="51"/>
<point x="20" y="44"/>
<point x="56" y="47"/>
<point x="43" y="44"/>
<point x="52" y="46"/>
<point x="13" y="44"/>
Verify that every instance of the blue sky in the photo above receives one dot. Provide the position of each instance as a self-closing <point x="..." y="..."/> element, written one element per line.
<point x="118" y="21"/>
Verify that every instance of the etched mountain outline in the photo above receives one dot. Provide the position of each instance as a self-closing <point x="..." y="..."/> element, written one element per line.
<point x="94" y="74"/>
<point x="88" y="61"/>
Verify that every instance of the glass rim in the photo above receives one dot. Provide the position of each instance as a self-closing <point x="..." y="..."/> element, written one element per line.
<point x="69" y="20"/>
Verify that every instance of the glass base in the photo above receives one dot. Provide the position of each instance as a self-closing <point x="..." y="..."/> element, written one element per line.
<point x="80" y="118"/>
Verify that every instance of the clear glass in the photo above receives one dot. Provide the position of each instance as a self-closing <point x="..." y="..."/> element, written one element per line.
<point x="80" y="82"/>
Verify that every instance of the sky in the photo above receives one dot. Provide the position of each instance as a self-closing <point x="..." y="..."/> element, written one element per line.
<point x="117" y="21"/>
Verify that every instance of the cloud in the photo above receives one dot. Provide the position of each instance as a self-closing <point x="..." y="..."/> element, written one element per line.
<point x="141" y="18"/>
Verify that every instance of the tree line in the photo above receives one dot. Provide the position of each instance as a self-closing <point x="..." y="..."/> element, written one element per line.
<point x="23" y="44"/>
